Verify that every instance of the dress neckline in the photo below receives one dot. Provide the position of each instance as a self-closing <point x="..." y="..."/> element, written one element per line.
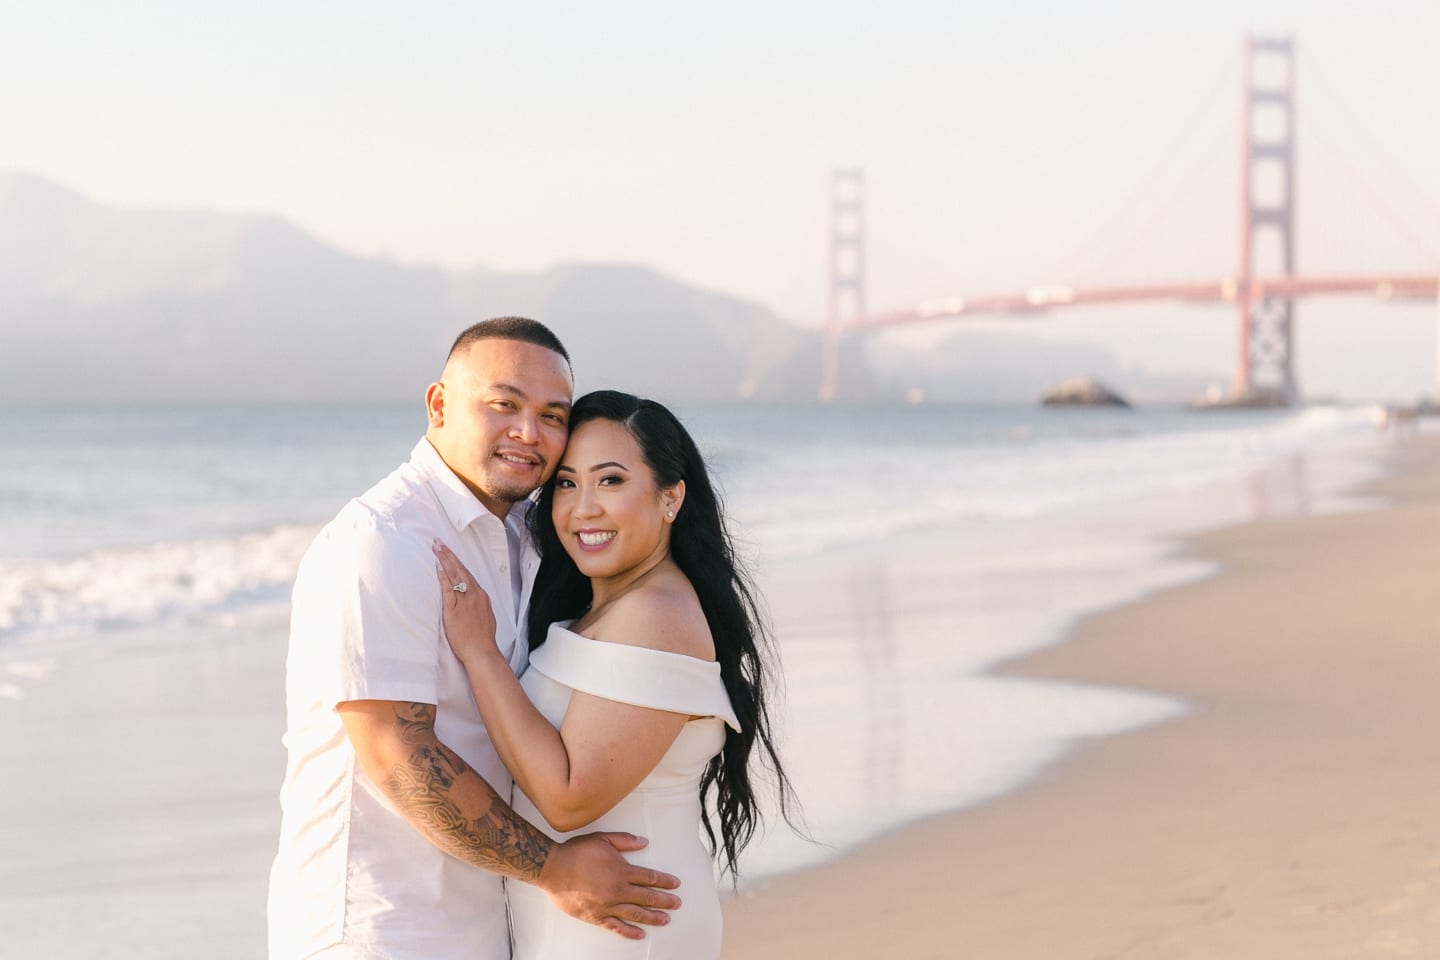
<point x="563" y="626"/>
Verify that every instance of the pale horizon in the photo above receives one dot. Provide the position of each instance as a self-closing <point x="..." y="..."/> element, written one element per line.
<point x="1033" y="145"/>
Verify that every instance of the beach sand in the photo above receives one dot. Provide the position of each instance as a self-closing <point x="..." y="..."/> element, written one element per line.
<point x="139" y="807"/>
<point x="1291" y="813"/>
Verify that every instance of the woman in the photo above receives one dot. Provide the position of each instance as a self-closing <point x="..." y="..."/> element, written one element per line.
<point x="646" y="686"/>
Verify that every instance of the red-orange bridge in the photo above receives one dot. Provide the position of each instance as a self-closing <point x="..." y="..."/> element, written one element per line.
<point x="1264" y="302"/>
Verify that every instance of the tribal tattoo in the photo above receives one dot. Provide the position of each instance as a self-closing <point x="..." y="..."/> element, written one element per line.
<point x="498" y="839"/>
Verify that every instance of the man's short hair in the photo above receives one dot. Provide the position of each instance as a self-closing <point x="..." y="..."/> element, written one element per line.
<point x="509" y="328"/>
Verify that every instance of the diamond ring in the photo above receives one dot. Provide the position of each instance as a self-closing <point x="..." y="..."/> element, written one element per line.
<point x="460" y="587"/>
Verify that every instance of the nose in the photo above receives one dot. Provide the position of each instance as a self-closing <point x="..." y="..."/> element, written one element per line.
<point x="525" y="428"/>
<point x="586" y="503"/>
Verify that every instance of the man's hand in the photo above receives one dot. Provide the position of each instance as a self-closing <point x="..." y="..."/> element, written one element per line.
<point x="589" y="879"/>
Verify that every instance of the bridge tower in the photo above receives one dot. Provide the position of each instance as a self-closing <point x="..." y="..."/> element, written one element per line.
<point x="1266" y="370"/>
<point x="847" y="270"/>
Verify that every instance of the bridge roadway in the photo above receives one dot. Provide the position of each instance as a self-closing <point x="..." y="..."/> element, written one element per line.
<point x="1043" y="299"/>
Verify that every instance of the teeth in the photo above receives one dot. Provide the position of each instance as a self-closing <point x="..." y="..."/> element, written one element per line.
<point x="519" y="460"/>
<point x="595" y="539"/>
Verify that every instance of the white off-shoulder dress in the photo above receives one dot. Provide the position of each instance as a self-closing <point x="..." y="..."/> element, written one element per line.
<point x="665" y="807"/>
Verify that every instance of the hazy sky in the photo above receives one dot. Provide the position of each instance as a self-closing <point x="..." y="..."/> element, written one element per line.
<point x="1005" y="144"/>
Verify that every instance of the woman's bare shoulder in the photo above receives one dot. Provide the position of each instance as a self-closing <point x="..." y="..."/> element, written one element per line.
<point x="662" y="615"/>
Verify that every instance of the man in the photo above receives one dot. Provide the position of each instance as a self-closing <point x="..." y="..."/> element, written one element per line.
<point x="396" y="831"/>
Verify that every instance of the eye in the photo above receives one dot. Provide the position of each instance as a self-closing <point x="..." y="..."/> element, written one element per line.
<point x="555" y="419"/>
<point x="502" y="404"/>
<point x="564" y="483"/>
<point x="611" y="480"/>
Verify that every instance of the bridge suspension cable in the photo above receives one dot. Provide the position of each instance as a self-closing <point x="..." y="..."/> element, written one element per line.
<point x="1427" y="246"/>
<point x="1117" y="235"/>
<point x="1354" y="121"/>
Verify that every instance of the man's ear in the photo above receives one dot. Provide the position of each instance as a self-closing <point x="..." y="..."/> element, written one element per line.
<point x="435" y="404"/>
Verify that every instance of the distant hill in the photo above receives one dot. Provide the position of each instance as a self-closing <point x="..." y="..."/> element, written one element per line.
<point x="632" y="328"/>
<point x="112" y="304"/>
<point x="105" y="303"/>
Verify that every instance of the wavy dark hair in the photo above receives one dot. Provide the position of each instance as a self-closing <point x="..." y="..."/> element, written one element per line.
<point x="701" y="547"/>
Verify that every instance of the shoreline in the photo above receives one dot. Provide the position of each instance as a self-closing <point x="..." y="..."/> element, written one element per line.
<point x="1283" y="814"/>
<point x="148" y="807"/>
<point x="889" y="640"/>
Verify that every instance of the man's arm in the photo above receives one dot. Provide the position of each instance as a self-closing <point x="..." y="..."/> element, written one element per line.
<point x="454" y="808"/>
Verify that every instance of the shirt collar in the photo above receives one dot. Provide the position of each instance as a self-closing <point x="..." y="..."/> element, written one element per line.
<point x="460" y="505"/>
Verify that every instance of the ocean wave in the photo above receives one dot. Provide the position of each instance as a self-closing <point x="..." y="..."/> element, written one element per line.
<point x="811" y="500"/>
<point x="792" y="498"/>
<point x="124" y="587"/>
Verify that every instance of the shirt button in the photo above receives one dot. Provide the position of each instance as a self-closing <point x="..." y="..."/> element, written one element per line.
<point x="503" y="568"/>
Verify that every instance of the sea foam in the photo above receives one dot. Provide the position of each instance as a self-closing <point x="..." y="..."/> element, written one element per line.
<point x="126" y="587"/>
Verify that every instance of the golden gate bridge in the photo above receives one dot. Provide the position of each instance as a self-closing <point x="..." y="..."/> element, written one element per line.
<point x="1264" y="302"/>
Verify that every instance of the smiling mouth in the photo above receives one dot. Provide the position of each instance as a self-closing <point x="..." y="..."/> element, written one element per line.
<point x="518" y="460"/>
<point x="596" y="538"/>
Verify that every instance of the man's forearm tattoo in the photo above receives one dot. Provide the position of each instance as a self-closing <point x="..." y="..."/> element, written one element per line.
<point x="499" y="839"/>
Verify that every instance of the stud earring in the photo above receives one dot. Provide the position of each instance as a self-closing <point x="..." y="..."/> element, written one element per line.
<point x="671" y="514"/>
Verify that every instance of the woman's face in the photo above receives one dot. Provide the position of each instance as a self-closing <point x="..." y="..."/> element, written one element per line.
<point x="607" y="510"/>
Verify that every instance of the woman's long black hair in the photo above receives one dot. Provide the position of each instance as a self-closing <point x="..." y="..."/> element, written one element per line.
<point x="701" y="547"/>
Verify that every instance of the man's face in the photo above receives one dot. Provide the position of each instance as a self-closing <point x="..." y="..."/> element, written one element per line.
<point x="499" y="418"/>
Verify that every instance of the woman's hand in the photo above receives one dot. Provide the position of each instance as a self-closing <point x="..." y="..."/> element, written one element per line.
<point x="469" y="619"/>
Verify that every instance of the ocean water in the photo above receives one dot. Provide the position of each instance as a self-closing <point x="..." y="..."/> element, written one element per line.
<point x="172" y="520"/>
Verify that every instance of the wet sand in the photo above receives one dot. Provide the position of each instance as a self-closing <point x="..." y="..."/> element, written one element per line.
<point x="138" y="809"/>
<point x="1290" y="813"/>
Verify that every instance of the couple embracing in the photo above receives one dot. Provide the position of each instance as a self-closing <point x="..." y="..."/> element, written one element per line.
<point x="598" y="644"/>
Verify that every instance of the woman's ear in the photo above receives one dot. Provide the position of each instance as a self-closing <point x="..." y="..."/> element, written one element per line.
<point x="672" y="499"/>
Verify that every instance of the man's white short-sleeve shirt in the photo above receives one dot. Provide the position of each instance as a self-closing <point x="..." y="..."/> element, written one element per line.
<point x="366" y="625"/>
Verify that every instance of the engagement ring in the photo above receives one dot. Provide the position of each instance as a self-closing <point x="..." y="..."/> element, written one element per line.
<point x="460" y="587"/>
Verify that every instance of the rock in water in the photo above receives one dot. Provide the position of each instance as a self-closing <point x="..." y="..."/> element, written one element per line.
<point x="1082" y="392"/>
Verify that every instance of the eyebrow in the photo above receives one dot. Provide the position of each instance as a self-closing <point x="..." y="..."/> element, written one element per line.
<point x="566" y="468"/>
<point x="516" y="392"/>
